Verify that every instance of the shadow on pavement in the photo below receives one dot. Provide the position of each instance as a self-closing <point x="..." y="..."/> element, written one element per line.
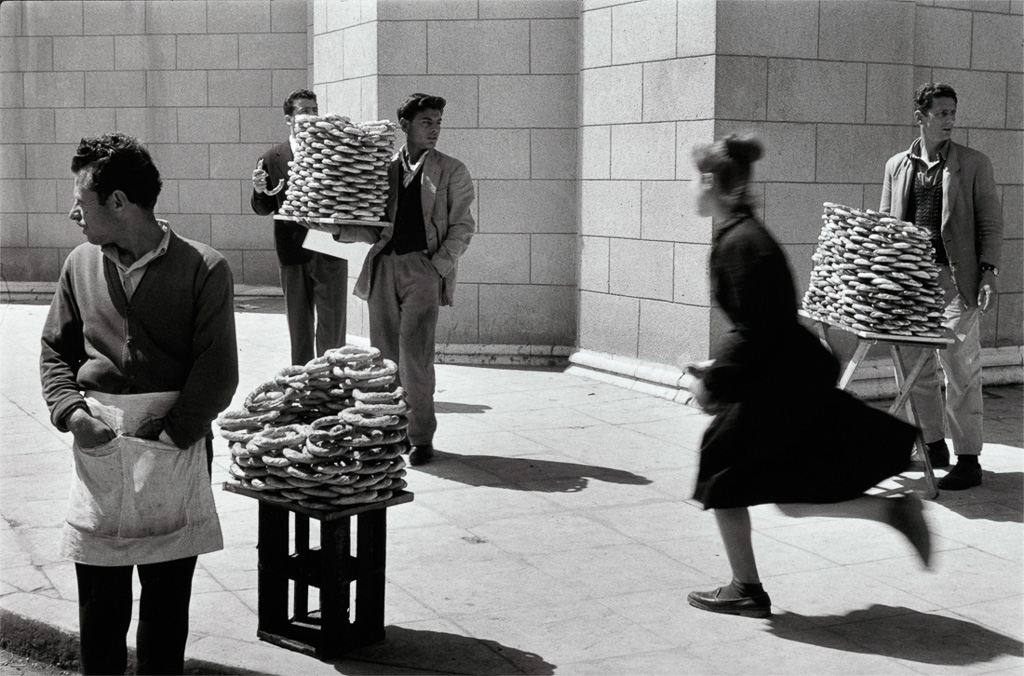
<point x="524" y="474"/>
<point x="452" y="407"/>
<point x="903" y="634"/>
<point x="419" y="651"/>
<point x="998" y="498"/>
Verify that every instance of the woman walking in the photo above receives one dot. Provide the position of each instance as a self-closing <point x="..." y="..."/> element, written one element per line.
<point x="782" y="433"/>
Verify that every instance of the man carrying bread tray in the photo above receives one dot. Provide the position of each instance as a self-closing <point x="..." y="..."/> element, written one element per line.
<point x="315" y="284"/>
<point x="138" y="357"/>
<point x="410" y="269"/>
<point x="950" y="190"/>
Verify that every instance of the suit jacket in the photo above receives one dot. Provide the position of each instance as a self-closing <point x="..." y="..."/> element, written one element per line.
<point x="972" y="216"/>
<point x="446" y="195"/>
<point x="288" y="236"/>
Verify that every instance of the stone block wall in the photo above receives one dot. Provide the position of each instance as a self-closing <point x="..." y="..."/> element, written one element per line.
<point x="508" y="71"/>
<point x="828" y="87"/>
<point x="200" y="82"/>
<point x="647" y="95"/>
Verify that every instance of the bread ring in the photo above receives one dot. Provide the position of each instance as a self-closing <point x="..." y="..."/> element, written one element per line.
<point x="385" y="368"/>
<point x="306" y="474"/>
<point x="374" y="467"/>
<point x="317" y="367"/>
<point x="300" y="457"/>
<point x="337" y="467"/>
<point x="275" y="460"/>
<point x="279" y="437"/>
<point x="317" y="492"/>
<point x="292" y="376"/>
<point x="355" y="417"/>
<point x="240" y="472"/>
<point x="293" y="493"/>
<point x="249" y="461"/>
<point x="354" y="499"/>
<point x="239" y="436"/>
<point x="382" y="381"/>
<point x="351" y="353"/>
<point x="365" y="480"/>
<point x="366" y="408"/>
<point x="240" y="443"/>
<point x="386" y="397"/>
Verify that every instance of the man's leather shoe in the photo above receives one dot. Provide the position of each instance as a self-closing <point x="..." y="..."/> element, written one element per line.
<point x="753" y="606"/>
<point x="938" y="453"/>
<point x="421" y="455"/>
<point x="961" y="477"/>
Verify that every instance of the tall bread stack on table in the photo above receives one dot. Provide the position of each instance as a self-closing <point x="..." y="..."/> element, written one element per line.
<point x="324" y="435"/>
<point x="340" y="170"/>
<point x="874" y="273"/>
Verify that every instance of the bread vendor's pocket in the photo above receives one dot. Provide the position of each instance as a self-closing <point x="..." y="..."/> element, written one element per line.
<point x="97" y="489"/>
<point x="156" y="488"/>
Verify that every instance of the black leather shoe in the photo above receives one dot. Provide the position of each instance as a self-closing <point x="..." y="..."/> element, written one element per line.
<point x="961" y="477"/>
<point x="421" y="455"/>
<point x="938" y="453"/>
<point x="753" y="606"/>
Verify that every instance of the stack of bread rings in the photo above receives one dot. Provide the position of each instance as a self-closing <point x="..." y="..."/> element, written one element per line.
<point x="325" y="435"/>
<point x="874" y="273"/>
<point x="340" y="170"/>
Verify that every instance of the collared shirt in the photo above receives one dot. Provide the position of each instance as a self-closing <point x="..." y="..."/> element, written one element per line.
<point x="409" y="168"/>
<point x="928" y="173"/>
<point x="132" y="274"/>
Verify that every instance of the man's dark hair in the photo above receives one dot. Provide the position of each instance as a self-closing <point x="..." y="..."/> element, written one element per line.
<point x="119" y="162"/>
<point x="417" y="103"/>
<point x="930" y="91"/>
<point x="289" y="103"/>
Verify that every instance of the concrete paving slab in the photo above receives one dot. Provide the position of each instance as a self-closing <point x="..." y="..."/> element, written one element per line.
<point x="554" y="533"/>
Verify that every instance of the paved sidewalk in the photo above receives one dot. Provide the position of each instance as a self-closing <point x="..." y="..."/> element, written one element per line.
<point x="553" y="534"/>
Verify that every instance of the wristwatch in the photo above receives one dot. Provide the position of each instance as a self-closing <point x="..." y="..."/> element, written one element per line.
<point x="985" y="267"/>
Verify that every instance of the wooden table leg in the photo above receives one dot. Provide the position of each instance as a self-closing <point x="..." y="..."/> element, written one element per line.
<point x="904" y="400"/>
<point x="855" y="360"/>
<point x="272" y="583"/>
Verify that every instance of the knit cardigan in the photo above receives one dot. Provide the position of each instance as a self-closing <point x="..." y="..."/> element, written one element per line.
<point x="176" y="334"/>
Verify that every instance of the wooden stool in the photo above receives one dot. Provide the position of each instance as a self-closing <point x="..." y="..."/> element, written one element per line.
<point x="905" y="378"/>
<point x="337" y="626"/>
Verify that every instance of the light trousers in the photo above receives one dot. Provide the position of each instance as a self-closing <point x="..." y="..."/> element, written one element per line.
<point x="403" y="304"/>
<point x="315" y="299"/>
<point x="962" y="410"/>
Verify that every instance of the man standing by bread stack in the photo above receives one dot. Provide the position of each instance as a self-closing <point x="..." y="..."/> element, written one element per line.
<point x="315" y="284"/>
<point x="950" y="190"/>
<point x="410" y="269"/>
<point x="138" y="357"/>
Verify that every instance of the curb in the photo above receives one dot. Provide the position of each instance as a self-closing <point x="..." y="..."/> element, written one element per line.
<point x="46" y="643"/>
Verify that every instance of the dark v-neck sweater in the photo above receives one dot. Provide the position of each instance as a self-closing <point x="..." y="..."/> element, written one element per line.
<point x="176" y="334"/>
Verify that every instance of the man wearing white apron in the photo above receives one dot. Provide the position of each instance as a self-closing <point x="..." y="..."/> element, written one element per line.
<point x="138" y="357"/>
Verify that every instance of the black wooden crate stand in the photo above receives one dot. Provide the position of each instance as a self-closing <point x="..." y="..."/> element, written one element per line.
<point x="332" y="568"/>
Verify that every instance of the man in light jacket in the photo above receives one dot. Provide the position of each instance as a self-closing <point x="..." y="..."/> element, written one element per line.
<point x="410" y="270"/>
<point x="138" y="357"/>
<point x="950" y="190"/>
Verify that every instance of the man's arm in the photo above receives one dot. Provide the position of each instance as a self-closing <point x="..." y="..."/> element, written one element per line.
<point x="460" y="221"/>
<point x="263" y="203"/>
<point x="988" y="215"/>
<point x="212" y="380"/>
<point x="62" y="354"/>
<point x="886" y="203"/>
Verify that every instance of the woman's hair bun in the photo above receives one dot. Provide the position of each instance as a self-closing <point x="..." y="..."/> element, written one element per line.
<point x="743" y="148"/>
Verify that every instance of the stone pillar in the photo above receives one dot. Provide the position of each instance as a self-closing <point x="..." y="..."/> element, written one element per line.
<point x="647" y="96"/>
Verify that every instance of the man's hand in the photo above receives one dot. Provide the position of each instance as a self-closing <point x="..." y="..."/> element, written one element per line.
<point x="259" y="178"/>
<point x="259" y="181"/>
<point x="986" y="290"/>
<point x="88" y="431"/>
<point x="150" y="429"/>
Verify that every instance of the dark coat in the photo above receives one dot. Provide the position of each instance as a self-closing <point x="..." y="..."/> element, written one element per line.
<point x="288" y="236"/>
<point x="783" y="432"/>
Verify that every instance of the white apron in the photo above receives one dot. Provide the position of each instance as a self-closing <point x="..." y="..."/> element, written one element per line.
<point x="137" y="501"/>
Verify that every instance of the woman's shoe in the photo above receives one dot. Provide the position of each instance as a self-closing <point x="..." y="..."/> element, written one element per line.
<point x="751" y="606"/>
